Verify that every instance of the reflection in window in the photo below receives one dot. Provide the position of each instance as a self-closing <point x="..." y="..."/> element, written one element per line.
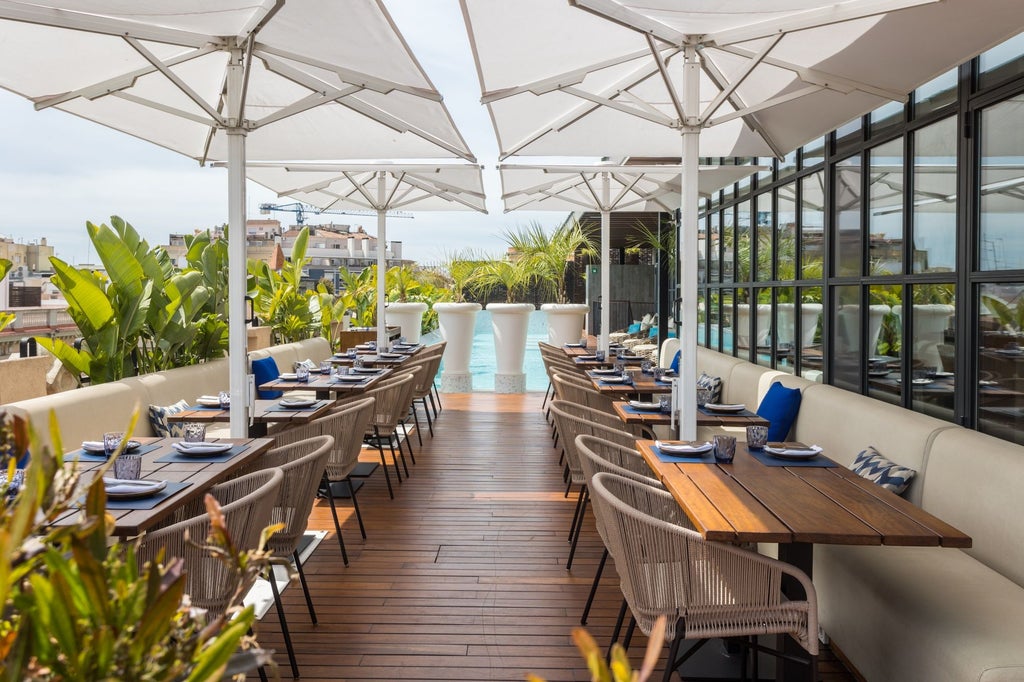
<point x="812" y="227"/>
<point x="728" y="243"/>
<point x="714" y="315"/>
<point x="886" y="115"/>
<point x="763" y="327"/>
<point x="846" y="344"/>
<point x="808" y="332"/>
<point x="813" y="153"/>
<point x="932" y="353"/>
<point x="764" y="230"/>
<point x="743" y="253"/>
<point x="1000" y="391"/>
<point x="785" y="233"/>
<point x="885" y="209"/>
<point x="787" y="165"/>
<point x="714" y="248"/>
<point x="742" y="322"/>
<point x="884" y="352"/>
<point x="727" y="315"/>
<point x="1001" y="244"/>
<point x="1002" y="61"/>
<point x="934" y="204"/>
<point x="785" y="330"/>
<point x="846" y="253"/>
<point x="936" y="93"/>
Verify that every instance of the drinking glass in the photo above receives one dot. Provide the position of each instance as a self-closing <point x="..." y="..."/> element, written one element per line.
<point x="194" y="432"/>
<point x="659" y="373"/>
<point x="358" y="363"/>
<point x="620" y="367"/>
<point x="302" y="373"/>
<point x="599" y="355"/>
<point x="225" y="400"/>
<point x="112" y="441"/>
<point x="646" y="366"/>
<point x="325" y="367"/>
<point x="352" y="352"/>
<point x="757" y="436"/>
<point x="725" y="448"/>
<point x="401" y="340"/>
<point x="665" y="402"/>
<point x="583" y="342"/>
<point x="703" y="396"/>
<point x="128" y="466"/>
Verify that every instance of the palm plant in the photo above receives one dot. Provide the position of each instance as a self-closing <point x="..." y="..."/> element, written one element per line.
<point x="5" y="318"/>
<point x="508" y="275"/>
<point x="278" y="296"/>
<point x="549" y="255"/>
<point x="463" y="271"/>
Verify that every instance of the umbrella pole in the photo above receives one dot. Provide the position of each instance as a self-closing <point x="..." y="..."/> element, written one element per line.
<point x="687" y="249"/>
<point x="606" y="275"/>
<point x="382" y="265"/>
<point x="238" y="365"/>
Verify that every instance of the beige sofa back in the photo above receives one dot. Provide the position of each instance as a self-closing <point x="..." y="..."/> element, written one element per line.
<point x="974" y="482"/>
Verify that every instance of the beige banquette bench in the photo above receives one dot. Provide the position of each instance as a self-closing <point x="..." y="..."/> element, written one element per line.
<point x="85" y="413"/>
<point x="914" y="613"/>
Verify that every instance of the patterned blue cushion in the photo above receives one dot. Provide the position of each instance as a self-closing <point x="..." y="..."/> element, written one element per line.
<point x="871" y="465"/>
<point x="779" y="406"/>
<point x="158" y="419"/>
<point x="705" y="380"/>
<point x="264" y="370"/>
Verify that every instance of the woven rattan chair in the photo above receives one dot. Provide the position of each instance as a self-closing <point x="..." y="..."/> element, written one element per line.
<point x="389" y="409"/>
<point x="423" y="389"/>
<point x="707" y="589"/>
<point x="246" y="503"/>
<point x="303" y="465"/>
<point x="599" y="455"/>
<point x="430" y="352"/>
<point x="572" y="420"/>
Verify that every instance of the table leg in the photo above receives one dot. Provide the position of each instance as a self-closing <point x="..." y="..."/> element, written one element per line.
<point x="801" y="555"/>
<point x="258" y="430"/>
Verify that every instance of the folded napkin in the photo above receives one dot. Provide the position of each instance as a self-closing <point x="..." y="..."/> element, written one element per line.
<point x="125" y="486"/>
<point x="790" y="449"/>
<point x="92" y="445"/>
<point x="208" y="398"/>
<point x="676" y="448"/>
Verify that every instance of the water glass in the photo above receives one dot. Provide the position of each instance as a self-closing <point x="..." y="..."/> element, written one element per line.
<point x="111" y="442"/>
<point x="725" y="448"/>
<point x="665" y="402"/>
<point x="583" y="342"/>
<point x="351" y="353"/>
<point x="193" y="432"/>
<point x="224" y="397"/>
<point x="620" y="366"/>
<point x="757" y="436"/>
<point x="401" y="340"/>
<point x="646" y="366"/>
<point x="128" y="466"/>
<point x="358" y="363"/>
<point x="599" y="355"/>
<point x="703" y="396"/>
<point x="302" y="373"/>
<point x="325" y="366"/>
<point x="659" y="373"/>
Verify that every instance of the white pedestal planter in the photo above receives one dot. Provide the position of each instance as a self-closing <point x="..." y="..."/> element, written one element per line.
<point x="408" y="316"/>
<point x="930" y="323"/>
<point x="457" y="321"/>
<point x="510" y="322"/>
<point x="809" y="314"/>
<point x="565" y="322"/>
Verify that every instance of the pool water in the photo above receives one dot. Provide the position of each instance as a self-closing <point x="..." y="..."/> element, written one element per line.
<point x="482" y="364"/>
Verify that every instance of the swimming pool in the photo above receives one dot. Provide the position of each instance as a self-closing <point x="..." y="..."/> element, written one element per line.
<point x="482" y="364"/>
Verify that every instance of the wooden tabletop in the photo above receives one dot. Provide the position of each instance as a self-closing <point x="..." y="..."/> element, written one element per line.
<point x="266" y="411"/>
<point x="373" y="359"/>
<point x="657" y="418"/>
<point x="642" y="383"/>
<point x="324" y="384"/>
<point x="747" y="501"/>
<point x="201" y="474"/>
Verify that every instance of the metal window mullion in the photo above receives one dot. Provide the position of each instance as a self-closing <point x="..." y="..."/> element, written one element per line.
<point x="968" y="230"/>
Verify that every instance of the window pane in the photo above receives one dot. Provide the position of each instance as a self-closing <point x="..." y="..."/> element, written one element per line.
<point x="743" y="242"/>
<point x="934" y="207"/>
<point x="885" y="342"/>
<point x="886" y="115"/>
<point x="885" y="209"/>
<point x="764" y="176"/>
<point x="714" y="314"/>
<point x="702" y="319"/>
<point x="1002" y="203"/>
<point x="848" y="130"/>
<point x="787" y="165"/>
<point x="728" y="344"/>
<point x="812" y="228"/>
<point x="785" y="233"/>
<point x="1001" y="362"/>
<point x="808" y="332"/>
<point x="728" y="244"/>
<point x="846" y="344"/>
<point x="763" y="327"/>
<point x="742" y="322"/>
<point x="936" y="93"/>
<point x="932" y="353"/>
<point x="765" y="228"/>
<point x="785" y="330"/>
<point x="813" y="152"/>
<point x="1002" y="62"/>
<point x="714" y="247"/>
<point x="847" y="251"/>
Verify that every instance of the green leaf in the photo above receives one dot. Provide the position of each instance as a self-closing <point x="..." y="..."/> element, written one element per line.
<point x="83" y="294"/>
<point x="213" y="660"/>
<point x="119" y="260"/>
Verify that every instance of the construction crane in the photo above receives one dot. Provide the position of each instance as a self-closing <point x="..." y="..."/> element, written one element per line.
<point x="300" y="211"/>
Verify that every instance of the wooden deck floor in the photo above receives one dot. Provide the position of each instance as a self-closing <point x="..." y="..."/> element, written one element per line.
<point x="463" y="575"/>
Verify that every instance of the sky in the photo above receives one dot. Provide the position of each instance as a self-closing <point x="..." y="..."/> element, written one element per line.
<point x="58" y="171"/>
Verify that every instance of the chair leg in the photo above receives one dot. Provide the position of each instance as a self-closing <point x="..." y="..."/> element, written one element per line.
<point x="419" y="434"/>
<point x="618" y="627"/>
<point x="629" y="633"/>
<point x="260" y="669"/>
<point x="579" y="527"/>
<point x="673" y="655"/>
<point x="437" y="394"/>
<point x="593" y="587"/>
<point x="337" y="524"/>
<point x="355" y="505"/>
<point x="405" y="430"/>
<point x="401" y="451"/>
<point x="380" y="446"/>
<point x="547" y="394"/>
<point x="284" y="626"/>
<point x="426" y="412"/>
<point x="305" y="587"/>
<point x="384" y="464"/>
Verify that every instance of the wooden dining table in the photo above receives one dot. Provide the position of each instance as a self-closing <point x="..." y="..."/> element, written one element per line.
<point x="265" y="412"/>
<point x="197" y="473"/>
<point x="796" y="506"/>
<point x="631" y="415"/>
<point x="641" y="384"/>
<point x="324" y="385"/>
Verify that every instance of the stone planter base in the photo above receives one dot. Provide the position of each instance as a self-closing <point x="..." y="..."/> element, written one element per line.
<point x="456" y="382"/>
<point x="510" y="383"/>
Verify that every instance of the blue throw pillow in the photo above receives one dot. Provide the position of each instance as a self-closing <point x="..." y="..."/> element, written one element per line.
<point x="633" y="328"/>
<point x="779" y="406"/>
<point x="264" y="370"/>
<point x="674" y="366"/>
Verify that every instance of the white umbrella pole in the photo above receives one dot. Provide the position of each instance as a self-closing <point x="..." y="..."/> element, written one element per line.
<point x="606" y="275"/>
<point x="382" y="264"/>
<point x="687" y="249"/>
<point x="238" y="365"/>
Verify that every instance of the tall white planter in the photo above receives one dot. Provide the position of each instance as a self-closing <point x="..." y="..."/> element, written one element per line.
<point x="457" y="321"/>
<point x="565" y="322"/>
<point x="408" y="316"/>
<point x="510" y="322"/>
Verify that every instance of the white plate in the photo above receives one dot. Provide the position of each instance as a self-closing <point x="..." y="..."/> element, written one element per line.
<point x="206" y="401"/>
<point x="586" y="357"/>
<point x="126" y="490"/>
<point x="614" y="380"/>
<point x="296" y="403"/>
<point x="390" y="355"/>
<point x="349" y="377"/>
<point x="199" y="449"/>
<point x="944" y="374"/>
<point x="96" y="446"/>
<point x="792" y="453"/>
<point x="921" y="382"/>
<point x="641" y="405"/>
<point x="366" y="370"/>
<point x="683" y="448"/>
<point x="609" y="370"/>
<point x="717" y="407"/>
<point x="288" y="376"/>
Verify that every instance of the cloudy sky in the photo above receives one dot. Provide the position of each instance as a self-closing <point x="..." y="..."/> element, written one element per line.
<point x="58" y="171"/>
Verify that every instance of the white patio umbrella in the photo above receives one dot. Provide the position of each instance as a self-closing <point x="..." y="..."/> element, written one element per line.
<point x="226" y="79"/>
<point x="606" y="188"/>
<point x="379" y="187"/>
<point x="689" y="78"/>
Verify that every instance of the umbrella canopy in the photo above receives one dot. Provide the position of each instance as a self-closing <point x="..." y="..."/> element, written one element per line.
<point x="223" y="79"/>
<point x="606" y="189"/>
<point x="379" y="187"/>
<point x="689" y="78"/>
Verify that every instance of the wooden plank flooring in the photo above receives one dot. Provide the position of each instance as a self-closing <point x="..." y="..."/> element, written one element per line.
<point x="463" y="575"/>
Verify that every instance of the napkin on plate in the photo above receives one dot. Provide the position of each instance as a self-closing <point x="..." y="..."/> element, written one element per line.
<point x="127" y="486"/>
<point x="789" y="449"/>
<point x="682" y="448"/>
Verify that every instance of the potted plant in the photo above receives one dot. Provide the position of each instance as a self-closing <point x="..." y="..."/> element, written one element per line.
<point x="457" y="321"/>
<point x="401" y="283"/>
<point x="510" y="320"/>
<point x="548" y="256"/>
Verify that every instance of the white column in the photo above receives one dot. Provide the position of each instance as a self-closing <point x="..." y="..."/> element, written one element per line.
<point x="382" y="263"/>
<point x="687" y="249"/>
<point x="238" y="364"/>
<point x="606" y="261"/>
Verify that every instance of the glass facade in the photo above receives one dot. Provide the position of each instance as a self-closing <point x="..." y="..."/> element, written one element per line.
<point x="887" y="258"/>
